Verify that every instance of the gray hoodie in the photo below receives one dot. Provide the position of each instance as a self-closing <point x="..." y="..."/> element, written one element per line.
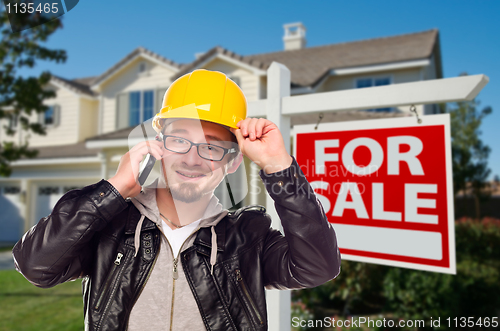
<point x="166" y="303"/>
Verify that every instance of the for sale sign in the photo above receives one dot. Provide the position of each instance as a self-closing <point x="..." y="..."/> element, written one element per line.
<point x="386" y="185"/>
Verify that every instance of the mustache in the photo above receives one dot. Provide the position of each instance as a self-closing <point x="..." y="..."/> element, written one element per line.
<point x="205" y="170"/>
<point x="197" y="170"/>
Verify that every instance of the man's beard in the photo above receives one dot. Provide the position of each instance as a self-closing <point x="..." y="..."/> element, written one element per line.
<point x="186" y="192"/>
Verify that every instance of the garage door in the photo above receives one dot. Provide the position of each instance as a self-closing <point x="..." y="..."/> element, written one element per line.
<point x="47" y="198"/>
<point x="11" y="221"/>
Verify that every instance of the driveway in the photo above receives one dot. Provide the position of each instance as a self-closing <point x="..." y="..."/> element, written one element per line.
<point x="6" y="261"/>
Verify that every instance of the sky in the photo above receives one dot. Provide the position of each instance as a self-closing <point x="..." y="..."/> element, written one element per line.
<point x="97" y="34"/>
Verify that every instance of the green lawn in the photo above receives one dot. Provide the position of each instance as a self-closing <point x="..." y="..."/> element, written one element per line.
<point x="28" y="308"/>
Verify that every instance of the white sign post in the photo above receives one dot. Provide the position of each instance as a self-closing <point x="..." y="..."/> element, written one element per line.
<point x="280" y="106"/>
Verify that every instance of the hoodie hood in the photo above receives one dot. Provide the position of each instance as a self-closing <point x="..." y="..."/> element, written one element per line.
<point x="145" y="202"/>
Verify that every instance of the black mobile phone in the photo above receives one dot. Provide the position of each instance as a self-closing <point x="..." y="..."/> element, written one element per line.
<point x="147" y="166"/>
<point x="148" y="163"/>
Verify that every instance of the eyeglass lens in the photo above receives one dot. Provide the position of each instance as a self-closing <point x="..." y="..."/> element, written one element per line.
<point x="206" y="151"/>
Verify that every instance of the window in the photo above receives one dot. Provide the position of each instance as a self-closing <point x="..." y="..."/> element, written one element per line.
<point x="136" y="107"/>
<point x="141" y="106"/>
<point x="50" y="118"/>
<point x="13" y="122"/>
<point x="11" y="190"/>
<point x="48" y="190"/>
<point x="370" y="82"/>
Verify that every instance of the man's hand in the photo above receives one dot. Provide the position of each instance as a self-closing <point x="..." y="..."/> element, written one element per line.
<point x="125" y="179"/>
<point x="262" y="142"/>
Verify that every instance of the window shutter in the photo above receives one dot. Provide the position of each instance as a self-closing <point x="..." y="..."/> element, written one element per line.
<point x="122" y="111"/>
<point x="159" y="99"/>
<point x="41" y="119"/>
<point x="57" y="115"/>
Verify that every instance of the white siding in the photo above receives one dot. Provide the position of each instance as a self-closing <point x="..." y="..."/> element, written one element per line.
<point x="129" y="80"/>
<point x="248" y="81"/>
<point x="88" y="118"/>
<point x="336" y="83"/>
<point x="67" y="131"/>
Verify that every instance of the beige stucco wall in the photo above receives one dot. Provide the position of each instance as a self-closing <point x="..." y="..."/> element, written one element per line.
<point x="128" y="80"/>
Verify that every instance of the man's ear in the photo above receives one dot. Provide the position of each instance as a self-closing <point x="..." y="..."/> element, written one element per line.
<point x="234" y="163"/>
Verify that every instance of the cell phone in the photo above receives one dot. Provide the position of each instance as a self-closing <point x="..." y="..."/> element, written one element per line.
<point x="149" y="161"/>
<point x="147" y="166"/>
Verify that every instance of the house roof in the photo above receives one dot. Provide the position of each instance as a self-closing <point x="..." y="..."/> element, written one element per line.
<point x="80" y="86"/>
<point x="215" y="51"/>
<point x="309" y="65"/>
<point x="135" y="53"/>
<point x="63" y="151"/>
<point x="120" y="134"/>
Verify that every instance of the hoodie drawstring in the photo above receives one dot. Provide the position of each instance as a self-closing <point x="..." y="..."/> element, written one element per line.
<point x="137" y="242"/>
<point x="213" y="253"/>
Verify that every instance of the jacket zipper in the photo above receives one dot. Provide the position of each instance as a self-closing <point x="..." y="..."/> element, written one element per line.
<point x="117" y="263"/>
<point x="175" y="273"/>
<point x="239" y="278"/>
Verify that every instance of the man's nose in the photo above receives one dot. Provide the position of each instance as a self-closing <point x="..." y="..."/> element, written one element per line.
<point x="191" y="158"/>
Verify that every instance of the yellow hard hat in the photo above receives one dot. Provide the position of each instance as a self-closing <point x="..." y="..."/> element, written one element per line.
<point x="205" y="95"/>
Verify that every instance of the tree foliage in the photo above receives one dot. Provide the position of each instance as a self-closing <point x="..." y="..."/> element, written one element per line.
<point x="469" y="153"/>
<point x="364" y="289"/>
<point x="20" y="97"/>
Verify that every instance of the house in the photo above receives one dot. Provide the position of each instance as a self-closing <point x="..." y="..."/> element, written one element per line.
<point x="91" y="118"/>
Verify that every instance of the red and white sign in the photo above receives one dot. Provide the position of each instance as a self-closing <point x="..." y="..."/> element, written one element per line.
<point x="386" y="185"/>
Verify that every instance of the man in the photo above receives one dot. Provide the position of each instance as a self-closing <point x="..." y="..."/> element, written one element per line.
<point x="168" y="256"/>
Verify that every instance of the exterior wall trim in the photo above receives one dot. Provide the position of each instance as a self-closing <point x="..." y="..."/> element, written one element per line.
<point x="226" y="58"/>
<point x="65" y="160"/>
<point x="380" y="67"/>
<point x="108" y="143"/>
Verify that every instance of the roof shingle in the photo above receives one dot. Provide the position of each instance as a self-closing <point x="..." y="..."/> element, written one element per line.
<point x="309" y="65"/>
<point x="77" y="85"/>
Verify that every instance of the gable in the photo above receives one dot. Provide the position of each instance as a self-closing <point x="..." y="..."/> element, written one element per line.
<point x="128" y="61"/>
<point x="140" y="73"/>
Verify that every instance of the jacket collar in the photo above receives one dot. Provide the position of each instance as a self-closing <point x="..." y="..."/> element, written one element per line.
<point x="203" y="238"/>
<point x="133" y="217"/>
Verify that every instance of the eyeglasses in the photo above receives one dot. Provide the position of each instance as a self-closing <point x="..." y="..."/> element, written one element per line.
<point x="206" y="151"/>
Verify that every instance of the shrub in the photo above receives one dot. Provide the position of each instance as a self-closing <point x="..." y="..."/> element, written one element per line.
<point x="368" y="289"/>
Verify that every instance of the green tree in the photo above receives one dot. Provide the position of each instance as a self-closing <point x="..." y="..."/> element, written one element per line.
<point x="20" y="97"/>
<point x="469" y="153"/>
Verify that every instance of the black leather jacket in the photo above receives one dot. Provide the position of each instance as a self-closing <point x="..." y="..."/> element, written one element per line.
<point x="90" y="235"/>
